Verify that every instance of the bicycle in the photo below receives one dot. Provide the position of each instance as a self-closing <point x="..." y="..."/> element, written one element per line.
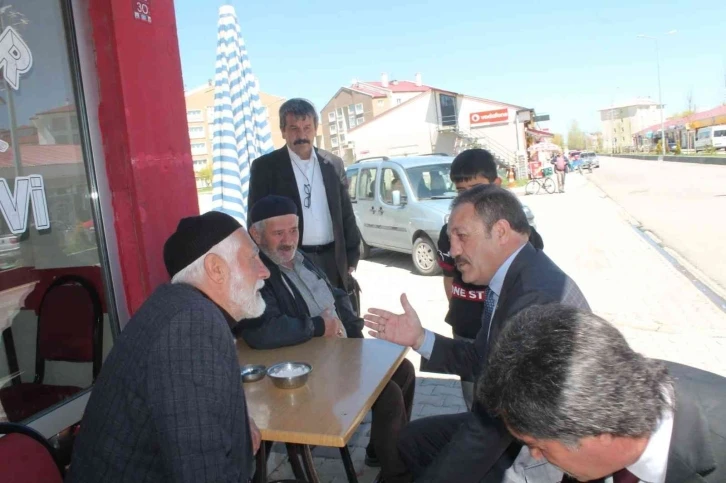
<point x="535" y="184"/>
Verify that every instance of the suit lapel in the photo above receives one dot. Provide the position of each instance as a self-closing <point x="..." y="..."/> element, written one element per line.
<point x="690" y="453"/>
<point x="501" y="311"/>
<point x="330" y="178"/>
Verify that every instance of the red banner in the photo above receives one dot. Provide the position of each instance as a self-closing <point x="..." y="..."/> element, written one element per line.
<point x="489" y="117"/>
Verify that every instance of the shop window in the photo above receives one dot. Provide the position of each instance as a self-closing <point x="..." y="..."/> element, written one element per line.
<point x="54" y="321"/>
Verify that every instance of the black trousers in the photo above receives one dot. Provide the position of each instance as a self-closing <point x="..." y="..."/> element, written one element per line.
<point x="391" y="413"/>
<point x="465" y="448"/>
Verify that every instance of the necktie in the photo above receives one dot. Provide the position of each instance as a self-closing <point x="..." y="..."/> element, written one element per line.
<point x="625" y="476"/>
<point x="489" y="303"/>
<point x="622" y="476"/>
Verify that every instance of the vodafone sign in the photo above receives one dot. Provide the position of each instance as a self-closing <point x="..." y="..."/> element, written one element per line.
<point x="489" y="117"/>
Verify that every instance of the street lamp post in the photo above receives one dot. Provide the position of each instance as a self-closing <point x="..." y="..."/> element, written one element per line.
<point x="660" y="94"/>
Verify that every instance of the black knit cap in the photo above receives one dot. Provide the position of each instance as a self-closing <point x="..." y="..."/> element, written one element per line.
<point x="271" y="206"/>
<point x="195" y="236"/>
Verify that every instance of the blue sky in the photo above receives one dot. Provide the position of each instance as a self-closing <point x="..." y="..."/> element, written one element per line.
<point x="563" y="58"/>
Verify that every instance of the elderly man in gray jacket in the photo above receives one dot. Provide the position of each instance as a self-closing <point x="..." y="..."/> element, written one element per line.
<point x="169" y="405"/>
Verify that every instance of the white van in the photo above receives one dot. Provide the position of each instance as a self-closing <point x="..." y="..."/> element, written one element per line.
<point x="713" y="136"/>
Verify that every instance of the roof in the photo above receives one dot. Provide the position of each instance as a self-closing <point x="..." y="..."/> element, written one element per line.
<point x="399" y="86"/>
<point x="410" y="161"/>
<point x="44" y="155"/>
<point x="641" y="101"/>
<point x="698" y="116"/>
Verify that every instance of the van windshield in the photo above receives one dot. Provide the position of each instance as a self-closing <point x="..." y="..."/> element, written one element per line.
<point x="431" y="181"/>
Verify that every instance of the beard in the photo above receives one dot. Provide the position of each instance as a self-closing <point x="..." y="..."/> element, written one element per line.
<point x="247" y="301"/>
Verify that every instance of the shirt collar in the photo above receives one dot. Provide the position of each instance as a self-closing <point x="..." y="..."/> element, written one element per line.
<point x="298" y="159"/>
<point x="652" y="464"/>
<point x="497" y="282"/>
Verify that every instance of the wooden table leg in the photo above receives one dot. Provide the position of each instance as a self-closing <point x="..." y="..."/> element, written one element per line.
<point x="293" y="454"/>
<point x="309" y="464"/>
<point x="348" y="464"/>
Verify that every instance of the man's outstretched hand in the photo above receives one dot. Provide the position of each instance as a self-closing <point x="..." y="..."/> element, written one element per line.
<point x="404" y="329"/>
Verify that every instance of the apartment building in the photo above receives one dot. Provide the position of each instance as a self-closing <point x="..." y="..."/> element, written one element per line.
<point x="622" y="120"/>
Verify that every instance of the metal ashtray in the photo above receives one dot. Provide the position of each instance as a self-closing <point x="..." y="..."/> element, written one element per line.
<point x="289" y="375"/>
<point x="252" y="372"/>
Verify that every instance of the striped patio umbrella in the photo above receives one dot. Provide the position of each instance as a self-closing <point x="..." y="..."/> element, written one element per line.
<point x="241" y="127"/>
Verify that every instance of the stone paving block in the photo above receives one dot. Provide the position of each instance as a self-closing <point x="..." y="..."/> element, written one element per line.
<point x="447" y="391"/>
<point x="434" y="400"/>
<point x="425" y="390"/>
<point x="454" y="401"/>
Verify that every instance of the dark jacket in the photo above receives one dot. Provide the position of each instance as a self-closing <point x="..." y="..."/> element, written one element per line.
<point x="698" y="443"/>
<point x="286" y="320"/>
<point x="168" y="404"/>
<point x="272" y="174"/>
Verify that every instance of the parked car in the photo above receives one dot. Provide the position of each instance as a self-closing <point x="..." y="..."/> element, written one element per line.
<point x="589" y="160"/>
<point x="401" y="203"/>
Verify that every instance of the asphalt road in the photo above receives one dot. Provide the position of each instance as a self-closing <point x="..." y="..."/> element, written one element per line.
<point x="683" y="204"/>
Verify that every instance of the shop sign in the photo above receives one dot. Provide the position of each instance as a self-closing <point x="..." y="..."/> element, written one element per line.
<point x="29" y="190"/>
<point x="489" y="117"/>
<point x="15" y="57"/>
<point x="142" y="10"/>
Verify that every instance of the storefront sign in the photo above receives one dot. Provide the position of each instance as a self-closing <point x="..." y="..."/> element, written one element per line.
<point x="489" y="117"/>
<point x="28" y="189"/>
<point x="142" y="10"/>
<point x="15" y="57"/>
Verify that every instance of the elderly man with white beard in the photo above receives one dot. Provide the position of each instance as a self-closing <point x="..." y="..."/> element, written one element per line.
<point x="169" y="404"/>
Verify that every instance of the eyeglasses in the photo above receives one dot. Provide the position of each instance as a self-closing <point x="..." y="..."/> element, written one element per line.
<point x="308" y="193"/>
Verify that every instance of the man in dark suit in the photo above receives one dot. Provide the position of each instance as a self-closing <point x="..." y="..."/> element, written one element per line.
<point x="169" y="404"/>
<point x="315" y="180"/>
<point x="567" y="384"/>
<point x="490" y="245"/>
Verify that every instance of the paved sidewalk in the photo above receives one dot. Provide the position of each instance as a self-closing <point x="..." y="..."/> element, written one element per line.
<point x="625" y="280"/>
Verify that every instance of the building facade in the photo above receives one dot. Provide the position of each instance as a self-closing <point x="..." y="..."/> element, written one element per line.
<point x="621" y="121"/>
<point x="439" y="121"/>
<point x="200" y="118"/>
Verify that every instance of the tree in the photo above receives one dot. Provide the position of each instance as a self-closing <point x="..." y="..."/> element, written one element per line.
<point x="575" y="137"/>
<point x="205" y="174"/>
<point x="690" y="107"/>
<point x="558" y="140"/>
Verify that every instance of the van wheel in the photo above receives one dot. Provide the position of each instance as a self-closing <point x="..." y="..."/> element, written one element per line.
<point x="424" y="257"/>
<point x="365" y="249"/>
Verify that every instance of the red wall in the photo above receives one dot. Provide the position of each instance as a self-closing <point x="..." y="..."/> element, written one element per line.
<point x="142" y="115"/>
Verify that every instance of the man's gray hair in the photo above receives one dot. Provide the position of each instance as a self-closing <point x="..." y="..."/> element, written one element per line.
<point x="492" y="204"/>
<point x="300" y="108"/>
<point x="562" y="373"/>
<point x="259" y="226"/>
<point x="193" y="274"/>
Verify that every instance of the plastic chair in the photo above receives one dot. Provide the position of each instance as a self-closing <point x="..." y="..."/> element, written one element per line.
<point x="26" y="456"/>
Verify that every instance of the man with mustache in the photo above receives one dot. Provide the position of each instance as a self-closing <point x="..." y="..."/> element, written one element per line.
<point x="315" y="180"/>
<point x="302" y="304"/>
<point x="169" y="404"/>
<point x="490" y="244"/>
